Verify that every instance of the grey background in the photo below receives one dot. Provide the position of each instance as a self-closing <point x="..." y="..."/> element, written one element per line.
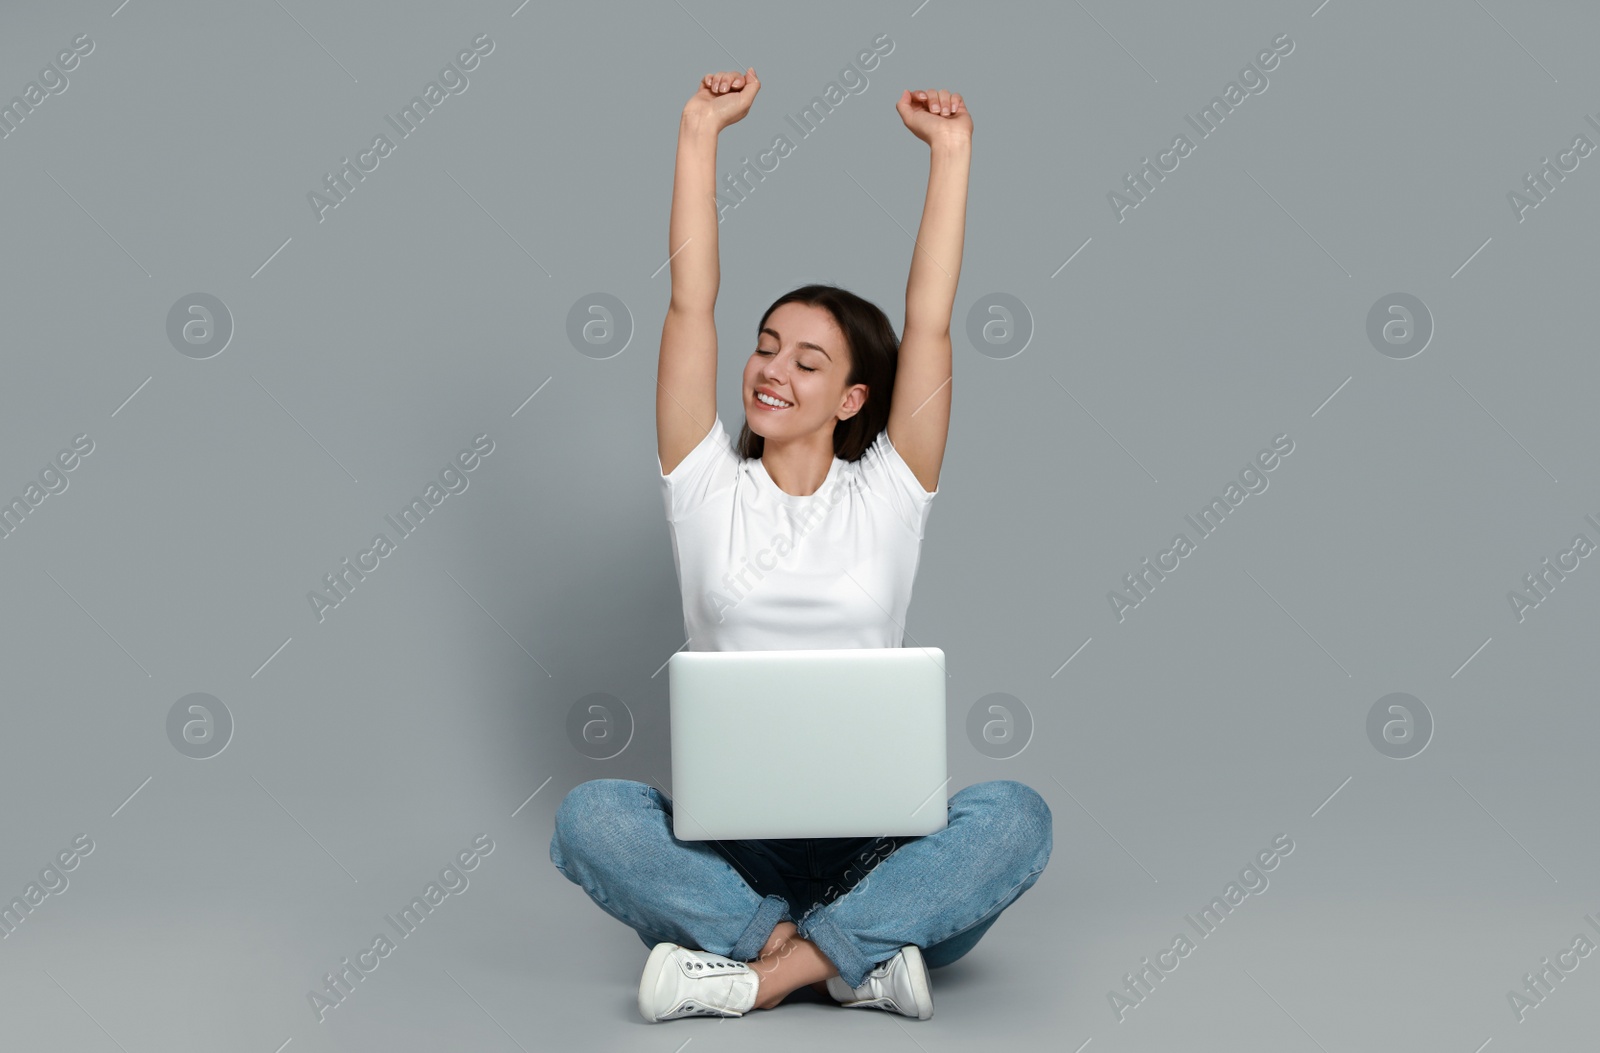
<point x="431" y="706"/>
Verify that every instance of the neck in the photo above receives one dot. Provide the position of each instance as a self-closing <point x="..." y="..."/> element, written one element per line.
<point x="800" y="466"/>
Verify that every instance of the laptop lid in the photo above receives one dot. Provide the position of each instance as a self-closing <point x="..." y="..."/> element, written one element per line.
<point x="845" y="742"/>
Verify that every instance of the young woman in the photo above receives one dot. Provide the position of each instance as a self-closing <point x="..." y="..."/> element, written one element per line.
<point x="805" y="535"/>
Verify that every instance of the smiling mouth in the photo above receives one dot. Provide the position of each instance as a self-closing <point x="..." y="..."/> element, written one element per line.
<point x="761" y="400"/>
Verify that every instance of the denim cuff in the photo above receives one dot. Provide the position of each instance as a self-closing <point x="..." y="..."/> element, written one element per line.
<point x="772" y="910"/>
<point x="831" y="940"/>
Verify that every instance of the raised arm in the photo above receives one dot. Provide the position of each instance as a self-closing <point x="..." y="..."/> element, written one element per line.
<point x="919" y="413"/>
<point x="686" y="374"/>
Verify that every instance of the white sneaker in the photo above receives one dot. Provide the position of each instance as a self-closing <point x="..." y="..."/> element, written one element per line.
<point x="680" y="982"/>
<point x="899" y="985"/>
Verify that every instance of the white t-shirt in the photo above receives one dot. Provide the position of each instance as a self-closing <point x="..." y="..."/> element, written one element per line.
<point x="764" y="570"/>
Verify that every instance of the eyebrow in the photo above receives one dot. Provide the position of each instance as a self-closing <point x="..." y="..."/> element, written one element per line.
<point x="801" y="344"/>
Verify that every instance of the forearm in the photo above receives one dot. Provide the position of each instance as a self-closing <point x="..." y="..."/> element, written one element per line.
<point x="936" y="258"/>
<point x="692" y="232"/>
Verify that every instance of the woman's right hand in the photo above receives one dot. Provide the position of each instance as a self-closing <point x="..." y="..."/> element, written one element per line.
<point x="724" y="98"/>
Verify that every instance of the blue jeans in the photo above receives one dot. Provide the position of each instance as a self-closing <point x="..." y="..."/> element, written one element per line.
<point x="858" y="899"/>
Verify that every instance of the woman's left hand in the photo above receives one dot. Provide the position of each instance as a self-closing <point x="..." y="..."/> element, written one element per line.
<point x="935" y="115"/>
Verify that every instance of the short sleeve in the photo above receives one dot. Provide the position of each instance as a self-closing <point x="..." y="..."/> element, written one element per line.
<point x="889" y="478"/>
<point x="708" y="468"/>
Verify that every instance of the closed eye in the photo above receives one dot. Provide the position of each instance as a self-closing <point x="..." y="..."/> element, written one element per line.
<point x="808" y="369"/>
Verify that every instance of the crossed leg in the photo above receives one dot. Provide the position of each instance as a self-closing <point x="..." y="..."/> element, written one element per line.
<point x="788" y="962"/>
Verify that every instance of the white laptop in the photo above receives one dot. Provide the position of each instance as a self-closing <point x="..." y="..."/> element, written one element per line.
<point x="846" y="742"/>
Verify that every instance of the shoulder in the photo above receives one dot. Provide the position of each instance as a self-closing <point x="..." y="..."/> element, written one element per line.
<point x="884" y="474"/>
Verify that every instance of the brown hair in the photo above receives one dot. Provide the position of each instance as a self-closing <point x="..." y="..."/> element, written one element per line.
<point x="874" y="352"/>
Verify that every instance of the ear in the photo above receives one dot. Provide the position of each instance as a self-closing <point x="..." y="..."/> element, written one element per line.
<point x="854" y="399"/>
